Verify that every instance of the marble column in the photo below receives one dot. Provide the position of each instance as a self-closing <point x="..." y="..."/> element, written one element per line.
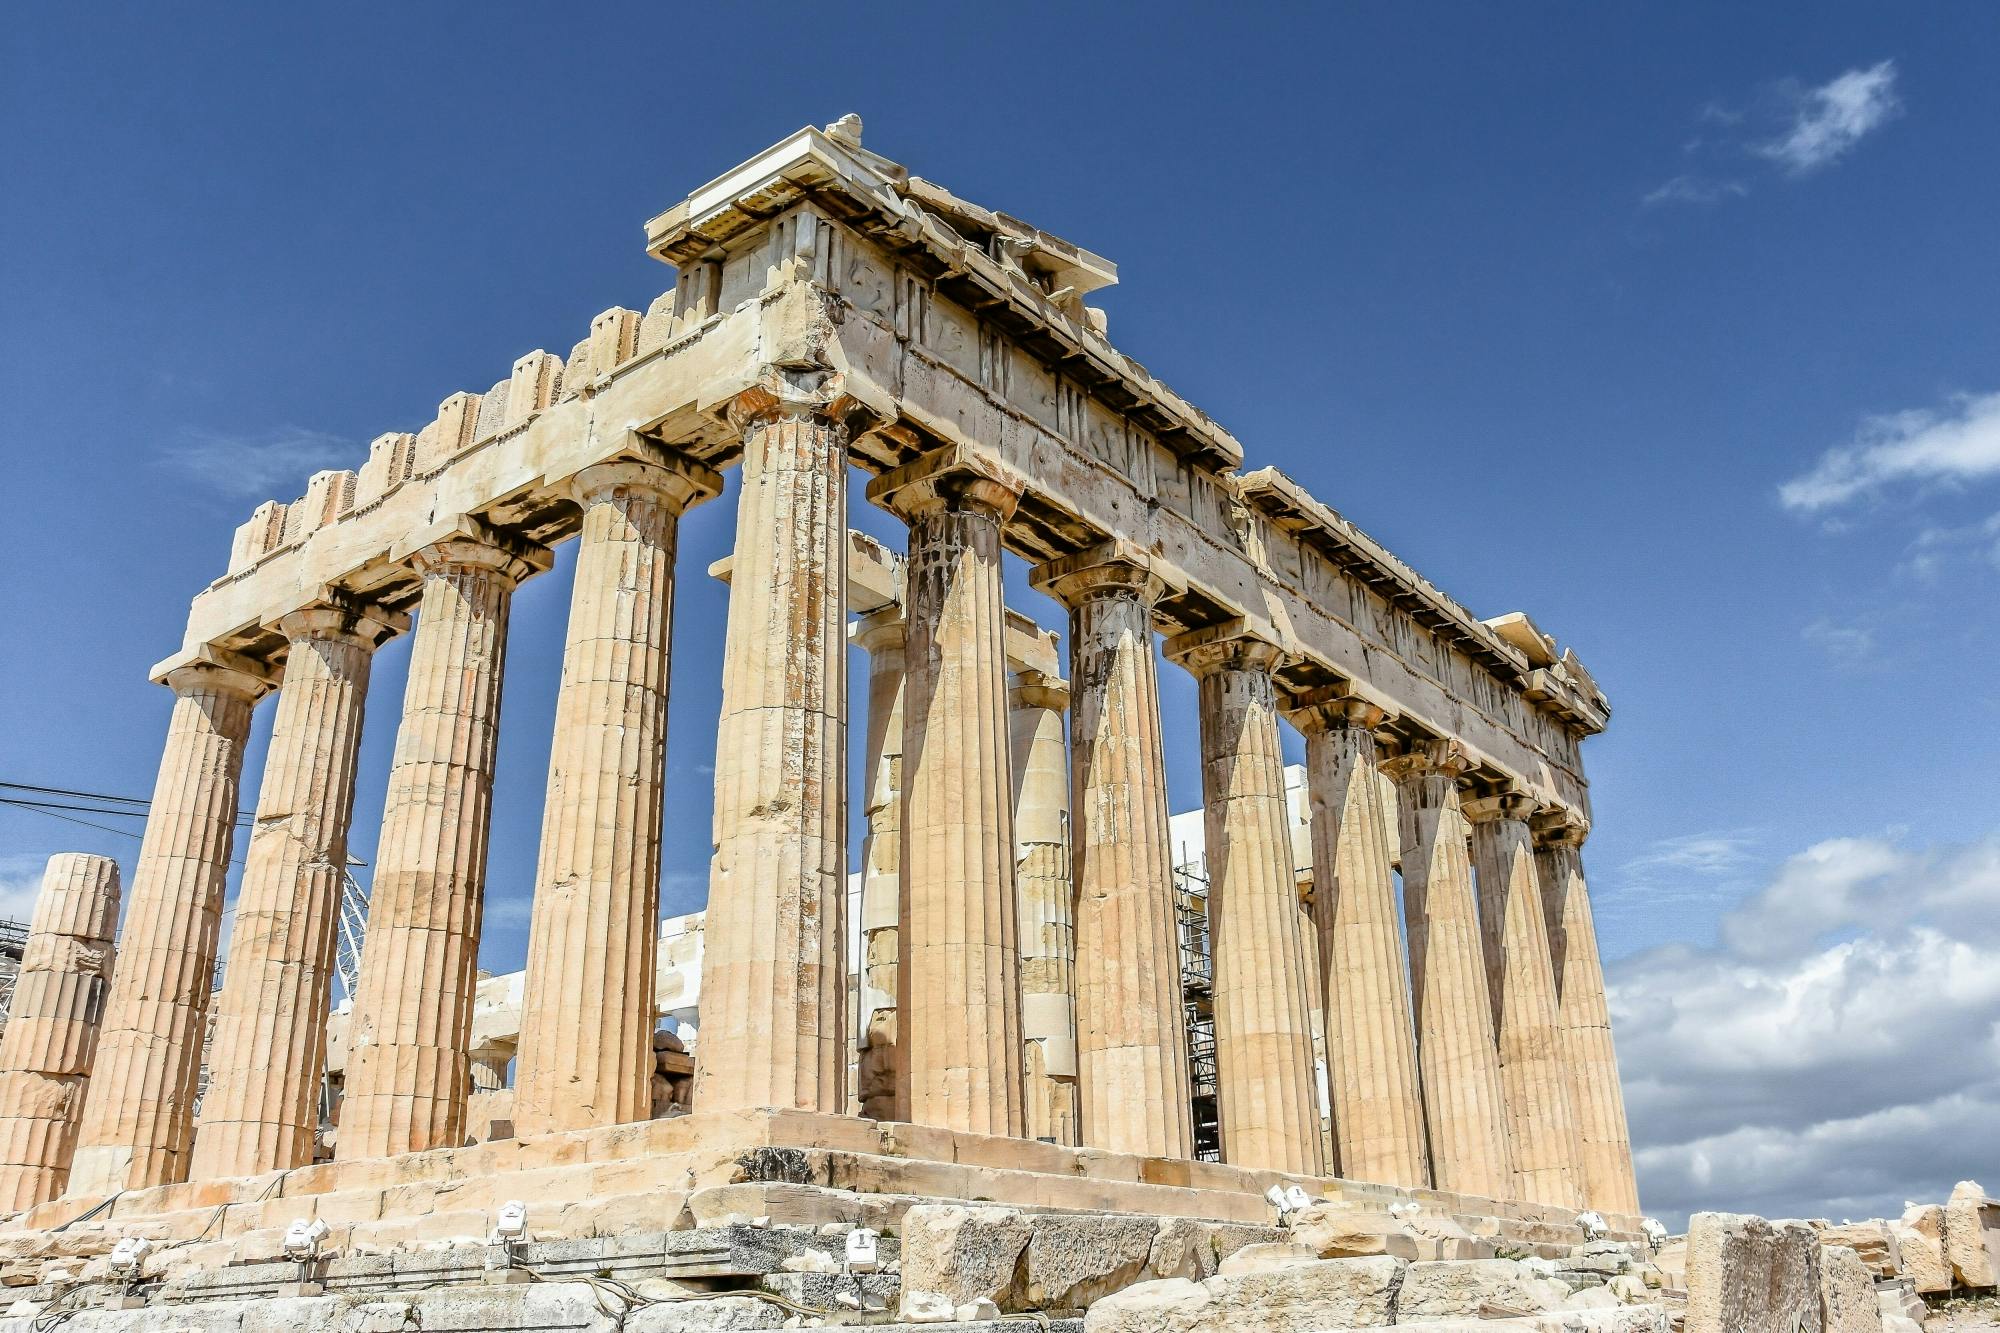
<point x="1604" y="1146"/>
<point x="586" y="1048"/>
<point x="1132" y="1073"/>
<point x="407" y="1057"/>
<point x="269" y="1048"/>
<point x="958" y="972"/>
<point x="1048" y="928"/>
<point x="1464" y="1107"/>
<point x="774" y="986"/>
<point x="138" y="1130"/>
<point x="1371" y="1052"/>
<point x="52" y="1027"/>
<point x="1521" y="983"/>
<point x="1265" y="1098"/>
<point x="881" y="634"/>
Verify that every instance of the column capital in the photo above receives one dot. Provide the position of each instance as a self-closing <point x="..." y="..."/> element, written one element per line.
<point x="1559" y="826"/>
<point x="1233" y="645"/>
<point x="473" y="545"/>
<point x="341" y="618"/>
<point x="1111" y="567"/>
<point x="1444" y="758"/>
<point x="218" y="669"/>
<point x="881" y="631"/>
<point x="1336" y="708"/>
<point x="1515" y="806"/>
<point x="678" y="481"/>
<point x="952" y="478"/>
<point x="1036" y="689"/>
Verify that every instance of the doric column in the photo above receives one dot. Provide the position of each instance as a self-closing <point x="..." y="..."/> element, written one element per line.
<point x="269" y="1048"/>
<point x="1521" y="982"/>
<point x="1604" y="1144"/>
<point x="1371" y="1053"/>
<point x="406" y="1043"/>
<point x="1048" y="928"/>
<point x="138" y="1129"/>
<point x="586" y="1053"/>
<point x="1265" y="1099"/>
<point x="1463" y="1104"/>
<point x="958" y="977"/>
<point x="774" y="988"/>
<point x="51" y="1036"/>
<point x="882" y="635"/>
<point x="1132" y="1074"/>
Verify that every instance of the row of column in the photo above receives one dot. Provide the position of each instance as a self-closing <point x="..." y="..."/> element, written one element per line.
<point x="774" y="1023"/>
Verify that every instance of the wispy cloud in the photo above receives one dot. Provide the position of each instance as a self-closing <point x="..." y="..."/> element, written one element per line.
<point x="260" y="466"/>
<point x="1958" y="444"/>
<point x="1829" y="120"/>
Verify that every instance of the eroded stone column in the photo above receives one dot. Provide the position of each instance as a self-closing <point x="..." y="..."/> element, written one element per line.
<point x="138" y="1130"/>
<point x="1371" y="1053"/>
<point x="1132" y="1075"/>
<point x="269" y="1049"/>
<point x="407" y="1057"/>
<point x="1265" y="1098"/>
<point x="1048" y="928"/>
<point x="774" y="989"/>
<point x="1464" y="1107"/>
<point x="958" y="976"/>
<point x="881" y="634"/>
<point x="1521" y="982"/>
<point x="586" y="1049"/>
<point x="52" y="1028"/>
<point x="1604" y="1145"/>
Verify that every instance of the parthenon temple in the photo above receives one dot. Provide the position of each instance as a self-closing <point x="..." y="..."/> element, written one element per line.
<point x="1404" y="990"/>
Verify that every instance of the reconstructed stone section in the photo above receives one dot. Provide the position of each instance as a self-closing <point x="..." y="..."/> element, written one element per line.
<point x="1463" y="1102"/>
<point x="773" y="987"/>
<point x="586" y="1055"/>
<point x="269" y="1045"/>
<point x="408" y="1061"/>
<point x="1604" y="1147"/>
<point x="138" y="1129"/>
<point x="52" y="1026"/>
<point x="1048" y="928"/>
<point x="1534" y="1073"/>
<point x="1131" y="1052"/>
<point x="1378" y="1114"/>
<point x="1266" y="1101"/>
<point x="959" y="959"/>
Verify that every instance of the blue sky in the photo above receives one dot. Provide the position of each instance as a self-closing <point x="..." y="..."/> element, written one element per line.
<point x="1669" y="325"/>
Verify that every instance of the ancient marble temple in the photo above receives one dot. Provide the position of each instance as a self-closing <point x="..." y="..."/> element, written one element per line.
<point x="1022" y="975"/>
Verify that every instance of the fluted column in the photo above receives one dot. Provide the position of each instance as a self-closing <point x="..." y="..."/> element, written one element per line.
<point x="1371" y="1052"/>
<point x="1132" y="1074"/>
<point x="407" y="1057"/>
<point x="1464" y="1107"/>
<point x="1521" y="983"/>
<point x="586" y="1052"/>
<point x="1604" y="1145"/>
<point x="958" y="972"/>
<point x="45" y="1057"/>
<point x="1265" y="1099"/>
<point x="881" y="634"/>
<point x="774" y="988"/>
<point x="269" y="1047"/>
<point x="138" y="1130"/>
<point x="1048" y="927"/>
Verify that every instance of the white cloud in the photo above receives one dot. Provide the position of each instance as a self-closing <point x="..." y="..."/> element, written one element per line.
<point x="1829" y="120"/>
<point x="1837" y="1053"/>
<point x="1957" y="445"/>
<point x="276" y="465"/>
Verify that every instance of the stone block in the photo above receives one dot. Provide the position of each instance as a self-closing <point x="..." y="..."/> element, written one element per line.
<point x="963" y="1254"/>
<point x="1920" y="1243"/>
<point x="1073" y="1260"/>
<point x="1972" y="1236"/>
<point x="1481" y="1288"/>
<point x="1872" y="1240"/>
<point x="1745" y="1273"/>
<point x="1307" y="1297"/>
